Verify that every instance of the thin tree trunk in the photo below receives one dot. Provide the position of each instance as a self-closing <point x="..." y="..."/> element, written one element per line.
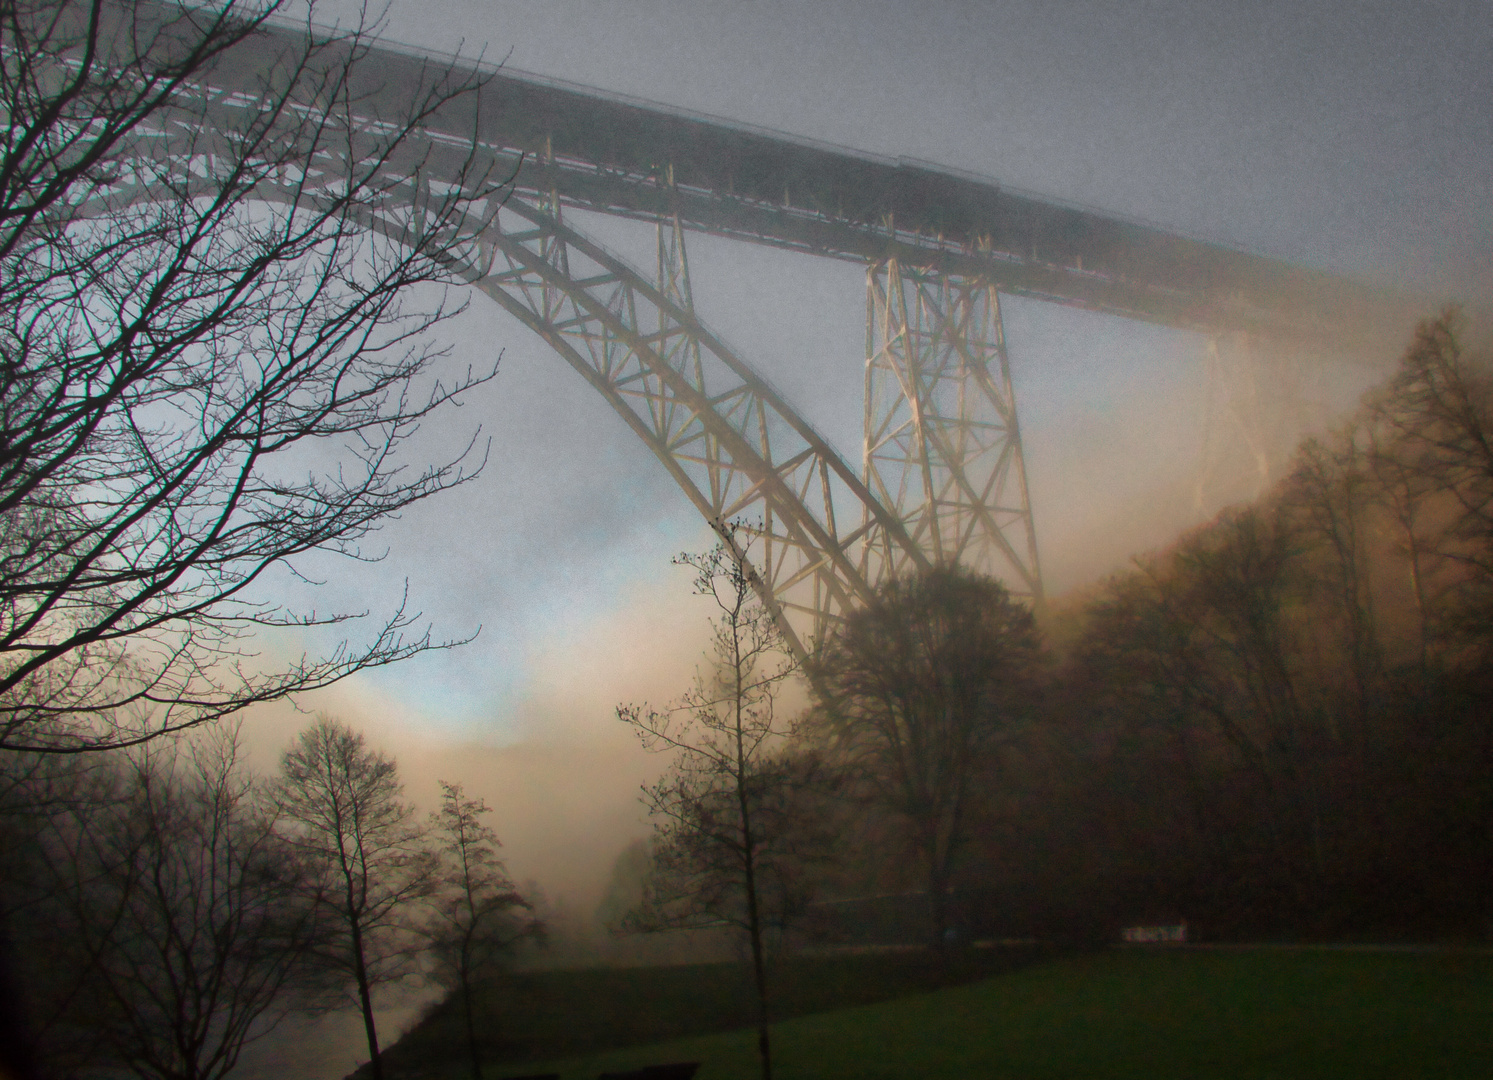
<point x="466" y="1002"/>
<point x="759" y="970"/>
<point x="938" y="897"/>
<point x="365" y="999"/>
<point x="1417" y="582"/>
<point x="749" y="866"/>
<point x="466" y="963"/>
<point x="754" y="925"/>
<point x="938" y="913"/>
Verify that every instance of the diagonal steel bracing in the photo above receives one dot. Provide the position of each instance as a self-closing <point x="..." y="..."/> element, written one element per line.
<point x="942" y="443"/>
<point x="943" y="478"/>
<point x="734" y="446"/>
<point x="1259" y="401"/>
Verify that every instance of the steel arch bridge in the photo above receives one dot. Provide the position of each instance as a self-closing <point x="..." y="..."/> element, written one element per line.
<point x="941" y="476"/>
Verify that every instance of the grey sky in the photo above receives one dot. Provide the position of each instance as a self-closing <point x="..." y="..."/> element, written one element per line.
<point x="1241" y="121"/>
<point x="1355" y="137"/>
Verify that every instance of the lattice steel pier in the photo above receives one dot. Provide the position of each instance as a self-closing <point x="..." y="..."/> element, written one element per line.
<point x="942" y="442"/>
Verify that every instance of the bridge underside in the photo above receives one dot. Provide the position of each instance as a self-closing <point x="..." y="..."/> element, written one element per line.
<point x="942" y="477"/>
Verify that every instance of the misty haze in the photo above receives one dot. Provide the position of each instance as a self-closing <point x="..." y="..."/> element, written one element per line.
<point x="737" y="537"/>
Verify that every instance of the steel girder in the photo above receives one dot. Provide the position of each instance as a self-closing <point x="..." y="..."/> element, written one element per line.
<point x="607" y="153"/>
<point x="943" y="475"/>
<point x="738" y="451"/>
<point x="942" y="444"/>
<point x="736" y="448"/>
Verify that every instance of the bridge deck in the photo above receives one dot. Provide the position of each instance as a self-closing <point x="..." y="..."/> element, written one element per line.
<point x="616" y="155"/>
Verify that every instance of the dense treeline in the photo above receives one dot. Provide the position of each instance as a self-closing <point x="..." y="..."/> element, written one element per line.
<point x="1281" y="724"/>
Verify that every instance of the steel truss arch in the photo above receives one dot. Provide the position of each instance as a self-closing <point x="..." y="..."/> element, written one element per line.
<point x="942" y="477"/>
<point x="736" y="448"/>
<point x="730" y="441"/>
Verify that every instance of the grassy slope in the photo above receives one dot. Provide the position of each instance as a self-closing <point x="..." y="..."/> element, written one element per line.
<point x="1138" y="1016"/>
<point x="548" y="1014"/>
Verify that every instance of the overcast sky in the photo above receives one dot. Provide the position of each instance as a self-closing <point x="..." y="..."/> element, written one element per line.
<point x="1356" y="137"/>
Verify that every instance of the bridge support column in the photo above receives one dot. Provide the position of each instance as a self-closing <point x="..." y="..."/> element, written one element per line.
<point x="1255" y="408"/>
<point x="942" y="443"/>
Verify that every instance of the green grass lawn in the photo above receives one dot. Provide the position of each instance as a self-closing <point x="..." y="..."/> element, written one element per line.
<point x="549" y="1014"/>
<point x="1193" y="1014"/>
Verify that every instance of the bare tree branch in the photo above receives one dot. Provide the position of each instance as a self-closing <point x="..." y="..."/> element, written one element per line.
<point x="732" y="841"/>
<point x="212" y="358"/>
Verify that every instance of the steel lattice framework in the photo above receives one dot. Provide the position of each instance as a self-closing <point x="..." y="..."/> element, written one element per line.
<point x="942" y="441"/>
<point x="942" y="476"/>
<point x="738" y="451"/>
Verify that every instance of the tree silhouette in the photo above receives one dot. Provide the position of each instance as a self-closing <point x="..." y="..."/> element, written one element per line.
<point x="731" y="837"/>
<point x="210" y="361"/>
<point x="479" y="916"/>
<point x="919" y="689"/>
<point x="175" y="919"/>
<point x="372" y="860"/>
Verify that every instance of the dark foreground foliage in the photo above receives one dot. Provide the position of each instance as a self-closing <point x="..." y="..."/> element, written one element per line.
<point x="1282" y="725"/>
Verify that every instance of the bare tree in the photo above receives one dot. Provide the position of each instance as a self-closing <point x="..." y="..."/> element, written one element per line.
<point x="1437" y="416"/>
<point x="1406" y="495"/>
<point x="1327" y="498"/>
<point x="210" y="361"/>
<point x="176" y="912"/>
<point x="479" y="916"/>
<point x="372" y="860"/>
<point x="1207" y="639"/>
<point x="44" y="802"/>
<point x="919" y="688"/>
<point x="730" y="845"/>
